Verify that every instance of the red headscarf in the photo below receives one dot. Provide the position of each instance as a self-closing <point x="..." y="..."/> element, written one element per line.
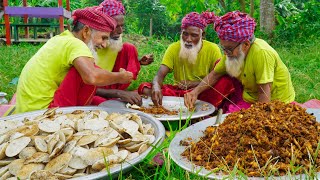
<point x="235" y="26"/>
<point x="112" y="7"/>
<point x="198" y="20"/>
<point x="94" y="18"/>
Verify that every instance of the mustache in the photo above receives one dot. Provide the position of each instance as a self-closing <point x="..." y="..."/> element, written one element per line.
<point x="188" y="44"/>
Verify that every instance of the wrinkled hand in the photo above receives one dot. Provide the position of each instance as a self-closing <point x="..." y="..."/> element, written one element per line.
<point x="125" y="76"/>
<point x="146" y="59"/>
<point x="185" y="84"/>
<point x="190" y="99"/>
<point x="131" y="97"/>
<point x="156" y="96"/>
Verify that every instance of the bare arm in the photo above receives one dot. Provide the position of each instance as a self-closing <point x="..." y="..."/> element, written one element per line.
<point x="131" y="97"/>
<point x="188" y="84"/>
<point x="191" y="97"/>
<point x="156" y="94"/>
<point x="264" y="92"/>
<point x="99" y="77"/>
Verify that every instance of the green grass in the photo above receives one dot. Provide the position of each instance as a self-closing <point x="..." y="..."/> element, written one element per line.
<point x="303" y="61"/>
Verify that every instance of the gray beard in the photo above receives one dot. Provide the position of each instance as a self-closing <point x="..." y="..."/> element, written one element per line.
<point x="115" y="45"/>
<point x="234" y="66"/>
<point x="93" y="51"/>
<point x="191" y="54"/>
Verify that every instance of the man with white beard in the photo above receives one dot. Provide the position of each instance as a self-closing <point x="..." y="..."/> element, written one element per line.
<point x="118" y="55"/>
<point x="190" y="59"/>
<point x="251" y="60"/>
<point x="62" y="72"/>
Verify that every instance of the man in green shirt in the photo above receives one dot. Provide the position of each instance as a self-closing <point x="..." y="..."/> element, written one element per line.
<point x="190" y="60"/>
<point x="252" y="61"/>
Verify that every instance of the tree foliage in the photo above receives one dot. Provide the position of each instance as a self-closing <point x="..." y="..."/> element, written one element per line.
<point x="295" y="19"/>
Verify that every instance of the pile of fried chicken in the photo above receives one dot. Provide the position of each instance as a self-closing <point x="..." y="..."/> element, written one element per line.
<point x="268" y="138"/>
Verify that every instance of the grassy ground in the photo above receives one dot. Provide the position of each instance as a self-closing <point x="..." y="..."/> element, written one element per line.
<point x="303" y="61"/>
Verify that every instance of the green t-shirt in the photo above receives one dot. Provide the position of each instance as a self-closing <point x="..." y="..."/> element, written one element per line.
<point x="263" y="65"/>
<point x="106" y="58"/>
<point x="44" y="72"/>
<point x="183" y="70"/>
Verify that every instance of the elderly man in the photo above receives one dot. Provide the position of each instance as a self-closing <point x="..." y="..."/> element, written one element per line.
<point x="252" y="61"/>
<point x="190" y="59"/>
<point x="118" y="55"/>
<point x="62" y="72"/>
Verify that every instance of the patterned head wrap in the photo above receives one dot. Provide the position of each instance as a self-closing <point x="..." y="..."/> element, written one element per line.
<point x="94" y="18"/>
<point x="112" y="7"/>
<point x="234" y="26"/>
<point x="198" y="20"/>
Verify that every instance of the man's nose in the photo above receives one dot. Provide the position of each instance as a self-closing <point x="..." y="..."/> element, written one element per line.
<point x="189" y="40"/>
<point x="104" y="44"/>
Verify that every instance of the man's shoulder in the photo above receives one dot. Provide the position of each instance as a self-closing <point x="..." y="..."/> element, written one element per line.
<point x="127" y="45"/>
<point x="67" y="39"/>
<point x="174" y="45"/>
<point x="209" y="43"/>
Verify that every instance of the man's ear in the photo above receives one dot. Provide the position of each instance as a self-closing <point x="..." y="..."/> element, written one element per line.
<point x="247" y="45"/>
<point x="86" y="33"/>
<point x="203" y="35"/>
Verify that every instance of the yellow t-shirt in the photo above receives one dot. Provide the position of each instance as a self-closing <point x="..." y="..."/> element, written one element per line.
<point x="44" y="72"/>
<point x="263" y="65"/>
<point x="183" y="70"/>
<point x="106" y="58"/>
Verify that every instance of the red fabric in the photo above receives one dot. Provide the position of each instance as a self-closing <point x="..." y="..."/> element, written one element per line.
<point x="214" y="95"/>
<point x="234" y="26"/>
<point x="127" y="59"/>
<point x="198" y="20"/>
<point x="13" y="99"/>
<point x="313" y="103"/>
<point x="112" y="7"/>
<point x="235" y="101"/>
<point x="94" y="18"/>
<point x="73" y="91"/>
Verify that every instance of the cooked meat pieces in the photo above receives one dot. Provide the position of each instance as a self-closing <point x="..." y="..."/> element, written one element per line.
<point x="265" y="138"/>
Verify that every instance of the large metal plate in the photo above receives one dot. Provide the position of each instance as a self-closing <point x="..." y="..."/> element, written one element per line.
<point x="170" y="103"/>
<point x="158" y="128"/>
<point x="195" y="132"/>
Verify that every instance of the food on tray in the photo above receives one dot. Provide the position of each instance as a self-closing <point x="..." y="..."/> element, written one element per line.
<point x="266" y="139"/>
<point x="62" y="146"/>
<point x="158" y="110"/>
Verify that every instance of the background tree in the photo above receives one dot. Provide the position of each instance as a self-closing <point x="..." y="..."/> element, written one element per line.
<point x="267" y="20"/>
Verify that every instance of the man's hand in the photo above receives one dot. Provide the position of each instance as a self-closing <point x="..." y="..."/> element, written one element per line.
<point x="156" y="95"/>
<point x="146" y="59"/>
<point x="126" y="76"/>
<point x="185" y="84"/>
<point x="131" y="97"/>
<point x="190" y="99"/>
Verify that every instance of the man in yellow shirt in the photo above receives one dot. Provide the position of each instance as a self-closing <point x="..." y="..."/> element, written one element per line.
<point x="118" y="55"/>
<point x="190" y="59"/>
<point x="62" y="73"/>
<point x="252" y="61"/>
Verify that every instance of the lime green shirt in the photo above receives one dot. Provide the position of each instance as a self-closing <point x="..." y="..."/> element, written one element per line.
<point x="183" y="70"/>
<point x="44" y="72"/>
<point x="263" y="65"/>
<point x="106" y="58"/>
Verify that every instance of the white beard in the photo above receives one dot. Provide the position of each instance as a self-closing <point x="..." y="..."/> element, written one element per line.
<point x="234" y="66"/>
<point x="92" y="49"/>
<point x="115" y="45"/>
<point x="189" y="54"/>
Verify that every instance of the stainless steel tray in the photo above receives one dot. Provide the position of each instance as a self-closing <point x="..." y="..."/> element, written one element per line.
<point x="171" y="103"/>
<point x="158" y="128"/>
<point x="195" y="131"/>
